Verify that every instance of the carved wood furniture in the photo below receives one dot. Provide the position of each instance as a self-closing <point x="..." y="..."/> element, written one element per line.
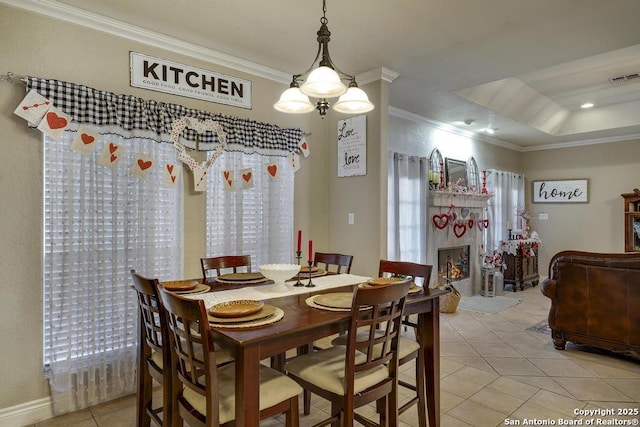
<point x="521" y="260"/>
<point x="632" y="221"/>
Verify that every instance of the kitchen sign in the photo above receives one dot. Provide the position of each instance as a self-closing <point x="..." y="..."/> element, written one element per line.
<point x="352" y="146"/>
<point x="178" y="79"/>
<point x="561" y="191"/>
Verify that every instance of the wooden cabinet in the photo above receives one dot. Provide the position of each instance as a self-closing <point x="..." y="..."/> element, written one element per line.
<point x="632" y="221"/>
<point x="521" y="261"/>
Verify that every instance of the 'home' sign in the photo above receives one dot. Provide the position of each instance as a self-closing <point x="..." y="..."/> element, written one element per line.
<point x="561" y="191"/>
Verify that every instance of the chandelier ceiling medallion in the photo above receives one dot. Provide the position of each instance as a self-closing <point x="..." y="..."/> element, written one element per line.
<point x="323" y="83"/>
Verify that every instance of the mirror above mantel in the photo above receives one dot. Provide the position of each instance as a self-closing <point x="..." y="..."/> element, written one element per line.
<point x="456" y="172"/>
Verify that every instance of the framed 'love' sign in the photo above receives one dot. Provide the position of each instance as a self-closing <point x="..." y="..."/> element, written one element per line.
<point x="561" y="191"/>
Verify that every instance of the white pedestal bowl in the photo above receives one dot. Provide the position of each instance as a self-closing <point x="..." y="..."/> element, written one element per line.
<point x="279" y="273"/>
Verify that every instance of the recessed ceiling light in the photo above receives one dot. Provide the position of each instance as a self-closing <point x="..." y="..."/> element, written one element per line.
<point x="587" y="105"/>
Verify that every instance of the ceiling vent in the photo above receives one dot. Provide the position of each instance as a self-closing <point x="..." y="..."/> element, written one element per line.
<point x="624" y="79"/>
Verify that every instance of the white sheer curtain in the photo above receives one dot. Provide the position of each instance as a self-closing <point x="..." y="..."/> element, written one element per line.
<point x="98" y="225"/>
<point x="256" y="221"/>
<point x="407" y="212"/>
<point x="508" y="194"/>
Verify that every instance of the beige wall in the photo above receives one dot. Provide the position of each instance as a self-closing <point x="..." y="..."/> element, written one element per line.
<point x="612" y="169"/>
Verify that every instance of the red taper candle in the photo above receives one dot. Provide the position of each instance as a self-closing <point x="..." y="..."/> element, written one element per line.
<point x="299" y="240"/>
<point x="310" y="250"/>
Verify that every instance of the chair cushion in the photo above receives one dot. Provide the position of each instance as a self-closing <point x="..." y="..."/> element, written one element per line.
<point x="406" y="346"/>
<point x="274" y="388"/>
<point x="156" y="357"/>
<point x="325" y="368"/>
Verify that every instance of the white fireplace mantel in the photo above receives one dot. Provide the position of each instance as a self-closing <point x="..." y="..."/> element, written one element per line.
<point x="448" y="198"/>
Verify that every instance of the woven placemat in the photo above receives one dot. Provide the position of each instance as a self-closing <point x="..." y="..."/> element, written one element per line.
<point x="279" y="314"/>
<point x="200" y="288"/>
<point x="237" y="282"/>
<point x="311" y="302"/>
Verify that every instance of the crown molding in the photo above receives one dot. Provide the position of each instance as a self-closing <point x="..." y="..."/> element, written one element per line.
<point x="583" y="143"/>
<point x="94" y="21"/>
<point x="403" y="114"/>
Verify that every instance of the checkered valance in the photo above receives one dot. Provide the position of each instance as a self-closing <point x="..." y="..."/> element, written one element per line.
<point x="129" y="116"/>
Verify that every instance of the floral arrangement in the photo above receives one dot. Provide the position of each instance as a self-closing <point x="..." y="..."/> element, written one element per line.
<point x="493" y="260"/>
<point x="523" y="213"/>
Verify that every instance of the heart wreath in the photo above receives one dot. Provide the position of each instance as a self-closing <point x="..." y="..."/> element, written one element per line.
<point x="483" y="223"/>
<point x="200" y="126"/>
<point x="459" y="228"/>
<point x="440" y="221"/>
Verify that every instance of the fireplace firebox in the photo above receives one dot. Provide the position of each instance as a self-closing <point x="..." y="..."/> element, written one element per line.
<point x="453" y="264"/>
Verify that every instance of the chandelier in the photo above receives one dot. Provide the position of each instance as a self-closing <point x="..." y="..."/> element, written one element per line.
<point x="323" y="83"/>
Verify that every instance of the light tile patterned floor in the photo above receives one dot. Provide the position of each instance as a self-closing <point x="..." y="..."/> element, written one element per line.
<point x="494" y="373"/>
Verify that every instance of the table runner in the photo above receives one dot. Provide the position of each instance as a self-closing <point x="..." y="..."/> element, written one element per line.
<point x="273" y="291"/>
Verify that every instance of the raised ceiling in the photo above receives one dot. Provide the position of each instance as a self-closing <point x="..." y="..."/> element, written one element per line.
<point x="520" y="67"/>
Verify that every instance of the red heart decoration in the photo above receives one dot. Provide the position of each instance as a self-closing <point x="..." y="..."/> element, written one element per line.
<point x="470" y="222"/>
<point x="304" y="145"/>
<point x="452" y="216"/>
<point x="55" y="121"/>
<point x="440" y="221"/>
<point x="272" y="169"/>
<point x="112" y="147"/>
<point x="113" y="158"/>
<point x="173" y="178"/>
<point x="459" y="228"/>
<point x="483" y="224"/>
<point x="87" y="139"/>
<point x="144" y="165"/>
<point x="226" y="175"/>
<point x="170" y="169"/>
<point x="246" y="176"/>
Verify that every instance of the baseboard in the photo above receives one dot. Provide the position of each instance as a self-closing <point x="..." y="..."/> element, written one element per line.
<point x="26" y="413"/>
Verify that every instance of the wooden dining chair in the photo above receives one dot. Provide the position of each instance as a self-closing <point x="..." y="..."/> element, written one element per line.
<point x="408" y="349"/>
<point x="206" y="392"/>
<point x="219" y="263"/>
<point x="333" y="262"/>
<point x="152" y="357"/>
<point x="365" y="370"/>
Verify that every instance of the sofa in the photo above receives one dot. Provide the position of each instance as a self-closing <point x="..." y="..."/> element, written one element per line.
<point x="595" y="300"/>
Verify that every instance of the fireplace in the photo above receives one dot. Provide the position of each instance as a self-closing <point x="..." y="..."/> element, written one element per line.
<point x="455" y="239"/>
<point x="453" y="264"/>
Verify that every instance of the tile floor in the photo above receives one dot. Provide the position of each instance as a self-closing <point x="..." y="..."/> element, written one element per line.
<point x="494" y="373"/>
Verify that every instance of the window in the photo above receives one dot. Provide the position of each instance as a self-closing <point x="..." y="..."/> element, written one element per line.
<point x="98" y="225"/>
<point x="407" y="226"/>
<point x="256" y="221"/>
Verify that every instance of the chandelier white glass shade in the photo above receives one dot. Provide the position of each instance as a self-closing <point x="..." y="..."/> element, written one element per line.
<point x="323" y="83"/>
<point x="294" y="101"/>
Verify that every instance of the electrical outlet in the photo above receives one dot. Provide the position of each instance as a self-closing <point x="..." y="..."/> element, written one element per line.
<point x="351" y="218"/>
<point x="543" y="216"/>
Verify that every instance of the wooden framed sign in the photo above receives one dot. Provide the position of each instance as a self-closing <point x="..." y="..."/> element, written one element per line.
<point x="352" y="146"/>
<point x="561" y="191"/>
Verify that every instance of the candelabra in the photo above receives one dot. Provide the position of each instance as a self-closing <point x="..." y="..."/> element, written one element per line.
<point x="298" y="257"/>
<point x="310" y="284"/>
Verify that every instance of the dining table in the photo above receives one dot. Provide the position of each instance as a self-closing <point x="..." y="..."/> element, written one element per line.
<point x="302" y="324"/>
